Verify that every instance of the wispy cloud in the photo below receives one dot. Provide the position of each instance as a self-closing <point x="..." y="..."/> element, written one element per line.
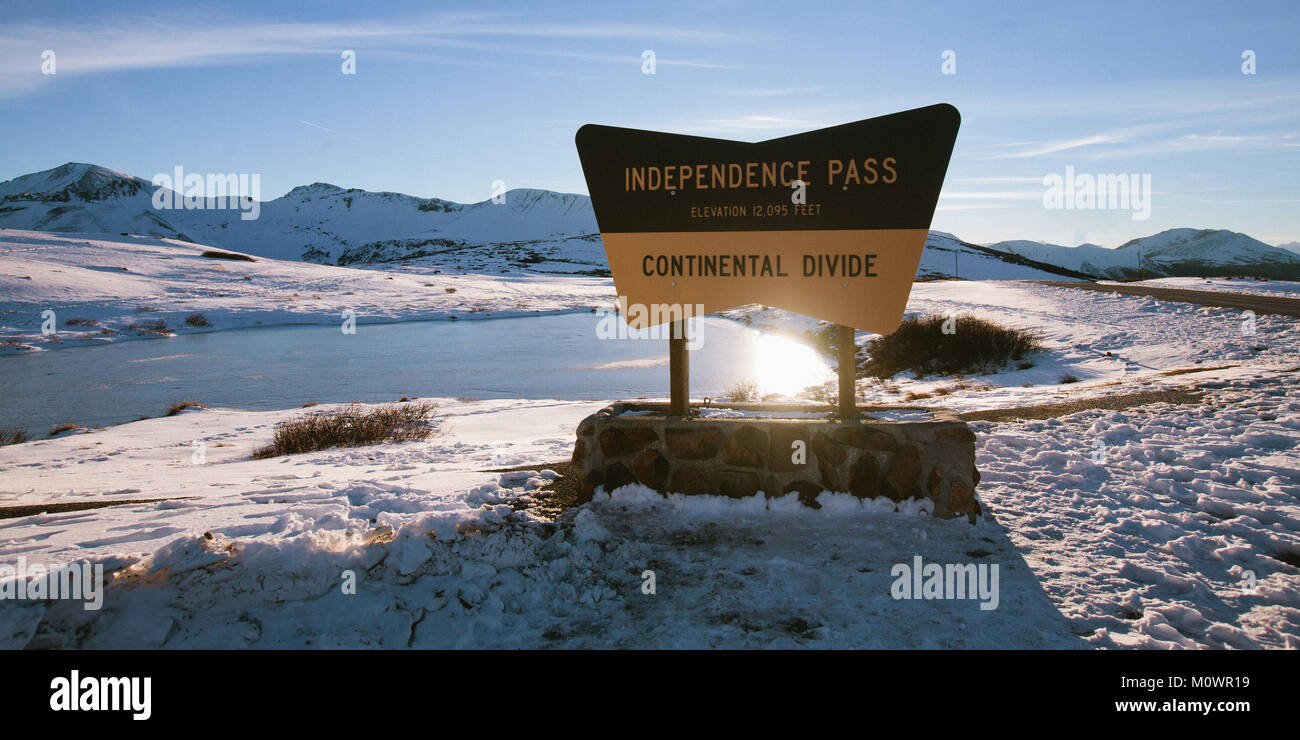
<point x="774" y="92"/>
<point x="1039" y="149"/>
<point x="1038" y="179"/>
<point x="747" y="125"/>
<point x="189" y="40"/>
<point x="992" y="195"/>
<point x="329" y="130"/>
<point x="971" y="207"/>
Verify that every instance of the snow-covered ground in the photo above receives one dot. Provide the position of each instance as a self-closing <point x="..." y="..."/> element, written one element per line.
<point x="1156" y="526"/>
<point x="116" y="287"/>
<point x="1110" y="343"/>
<point x="1096" y="343"/>
<point x="204" y="454"/>
<point x="1165" y="526"/>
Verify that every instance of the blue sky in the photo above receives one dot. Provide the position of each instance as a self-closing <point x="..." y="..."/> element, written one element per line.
<point x="450" y="97"/>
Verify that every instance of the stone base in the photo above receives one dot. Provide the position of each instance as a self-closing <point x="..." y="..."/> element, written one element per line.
<point x="900" y="452"/>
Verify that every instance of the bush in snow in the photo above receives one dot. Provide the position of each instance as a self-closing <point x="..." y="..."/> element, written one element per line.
<point x="156" y="326"/>
<point x="13" y="436"/>
<point x="742" y="390"/>
<point x="180" y="406"/>
<point x="947" y="344"/>
<point x="214" y="254"/>
<point x="352" y="426"/>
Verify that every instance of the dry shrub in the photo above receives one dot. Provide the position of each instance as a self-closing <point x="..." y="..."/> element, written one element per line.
<point x="920" y="346"/>
<point x="351" y="426"/>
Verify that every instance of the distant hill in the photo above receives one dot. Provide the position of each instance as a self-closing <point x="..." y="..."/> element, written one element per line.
<point x="946" y="256"/>
<point x="1171" y="253"/>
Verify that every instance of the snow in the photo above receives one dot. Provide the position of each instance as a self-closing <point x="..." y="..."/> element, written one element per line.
<point x="524" y="229"/>
<point x="1155" y="527"/>
<point x="900" y="415"/>
<point x="433" y="570"/>
<point x="1162" y="526"/>
<point x="223" y="487"/>
<point x="1143" y="525"/>
<point x="938" y="261"/>
<point x="1111" y="343"/>
<point x="319" y="222"/>
<point x="118" y="281"/>
<point x="729" y="413"/>
<point x="1148" y="548"/>
<point x="1103" y="338"/>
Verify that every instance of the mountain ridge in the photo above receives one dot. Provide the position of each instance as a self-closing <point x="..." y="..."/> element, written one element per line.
<point x="1180" y="252"/>
<point x="327" y="223"/>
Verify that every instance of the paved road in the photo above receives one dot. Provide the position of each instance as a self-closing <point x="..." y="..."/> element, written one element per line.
<point x="1260" y="304"/>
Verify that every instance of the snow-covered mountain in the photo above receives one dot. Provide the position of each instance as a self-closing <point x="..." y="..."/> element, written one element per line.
<point x="1290" y="247"/>
<point x="946" y="256"/>
<point x="537" y="230"/>
<point x="318" y="223"/>
<point x="1171" y="253"/>
<point x="1086" y="258"/>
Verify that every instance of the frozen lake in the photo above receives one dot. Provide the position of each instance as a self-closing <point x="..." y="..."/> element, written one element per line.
<point x="551" y="356"/>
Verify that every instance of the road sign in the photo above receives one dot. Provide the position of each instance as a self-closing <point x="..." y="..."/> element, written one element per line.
<point x="829" y="223"/>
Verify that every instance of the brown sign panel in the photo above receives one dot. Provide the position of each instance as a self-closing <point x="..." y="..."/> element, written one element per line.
<point x="829" y="223"/>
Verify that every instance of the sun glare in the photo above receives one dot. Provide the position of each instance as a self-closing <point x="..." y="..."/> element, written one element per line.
<point x="786" y="367"/>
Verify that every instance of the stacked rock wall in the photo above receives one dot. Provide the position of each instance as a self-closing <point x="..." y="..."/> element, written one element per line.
<point x="740" y="456"/>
